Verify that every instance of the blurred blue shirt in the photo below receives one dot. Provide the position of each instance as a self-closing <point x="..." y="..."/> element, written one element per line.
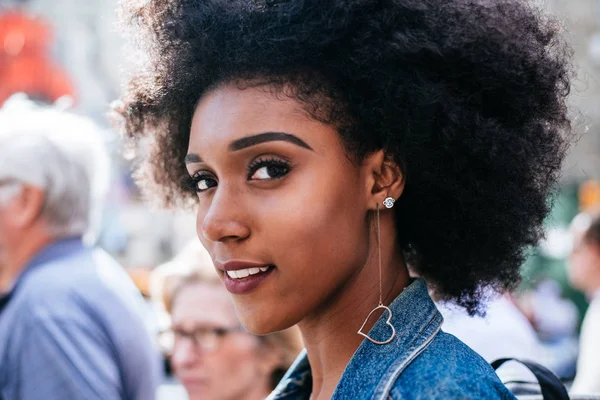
<point x="73" y="328"/>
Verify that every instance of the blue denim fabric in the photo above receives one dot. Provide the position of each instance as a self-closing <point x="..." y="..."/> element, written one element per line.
<point x="422" y="362"/>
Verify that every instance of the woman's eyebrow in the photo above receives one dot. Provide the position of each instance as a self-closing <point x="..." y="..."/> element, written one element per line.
<point x="192" y="158"/>
<point x="253" y="140"/>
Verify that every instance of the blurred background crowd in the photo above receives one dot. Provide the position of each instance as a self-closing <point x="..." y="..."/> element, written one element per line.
<point x="69" y="53"/>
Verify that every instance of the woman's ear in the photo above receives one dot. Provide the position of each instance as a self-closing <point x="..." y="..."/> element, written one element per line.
<point x="384" y="178"/>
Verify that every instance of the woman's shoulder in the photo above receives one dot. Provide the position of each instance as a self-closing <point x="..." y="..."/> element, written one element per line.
<point x="449" y="369"/>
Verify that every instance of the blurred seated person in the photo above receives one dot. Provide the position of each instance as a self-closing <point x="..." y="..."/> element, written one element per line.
<point x="503" y="332"/>
<point x="71" y="320"/>
<point x="584" y="274"/>
<point x="506" y="332"/>
<point x="212" y="355"/>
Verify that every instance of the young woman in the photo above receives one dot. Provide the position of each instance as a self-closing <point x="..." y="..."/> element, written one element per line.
<point x="584" y="274"/>
<point x="212" y="355"/>
<point x="329" y="145"/>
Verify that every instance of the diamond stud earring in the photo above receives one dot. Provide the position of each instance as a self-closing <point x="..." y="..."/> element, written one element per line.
<point x="389" y="202"/>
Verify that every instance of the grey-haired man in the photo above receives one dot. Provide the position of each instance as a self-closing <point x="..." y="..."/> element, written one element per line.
<point x="71" y="324"/>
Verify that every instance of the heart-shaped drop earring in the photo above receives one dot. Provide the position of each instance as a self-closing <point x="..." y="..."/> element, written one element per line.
<point x="380" y="306"/>
<point x="389" y="203"/>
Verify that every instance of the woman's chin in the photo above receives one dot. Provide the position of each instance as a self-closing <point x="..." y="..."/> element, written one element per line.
<point x="262" y="326"/>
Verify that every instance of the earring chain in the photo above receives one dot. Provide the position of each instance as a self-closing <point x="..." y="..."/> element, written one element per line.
<point x="379" y="252"/>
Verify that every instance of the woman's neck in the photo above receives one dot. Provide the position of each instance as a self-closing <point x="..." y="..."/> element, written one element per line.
<point x="330" y="334"/>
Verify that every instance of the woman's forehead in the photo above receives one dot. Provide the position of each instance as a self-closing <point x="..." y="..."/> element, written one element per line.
<point x="245" y="111"/>
<point x="229" y="113"/>
<point x="204" y="302"/>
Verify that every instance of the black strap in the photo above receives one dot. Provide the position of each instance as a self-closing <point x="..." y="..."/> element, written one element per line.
<point x="3" y="303"/>
<point x="552" y="387"/>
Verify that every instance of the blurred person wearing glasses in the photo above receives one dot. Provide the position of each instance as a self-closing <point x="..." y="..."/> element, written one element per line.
<point x="584" y="274"/>
<point x="71" y="322"/>
<point x="212" y="355"/>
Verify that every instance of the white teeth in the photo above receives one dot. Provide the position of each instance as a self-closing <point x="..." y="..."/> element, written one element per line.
<point x="243" y="273"/>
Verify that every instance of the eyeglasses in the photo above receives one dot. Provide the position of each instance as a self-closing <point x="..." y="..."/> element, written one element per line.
<point x="8" y="181"/>
<point x="7" y="187"/>
<point x="203" y="338"/>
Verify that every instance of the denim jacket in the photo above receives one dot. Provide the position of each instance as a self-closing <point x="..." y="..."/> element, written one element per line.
<point x="421" y="362"/>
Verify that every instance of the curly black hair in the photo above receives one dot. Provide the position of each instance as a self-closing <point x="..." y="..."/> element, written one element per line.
<point x="467" y="96"/>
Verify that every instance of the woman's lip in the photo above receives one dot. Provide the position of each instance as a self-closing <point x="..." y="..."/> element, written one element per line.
<point x="234" y="265"/>
<point x="194" y="379"/>
<point x="193" y="382"/>
<point x="247" y="284"/>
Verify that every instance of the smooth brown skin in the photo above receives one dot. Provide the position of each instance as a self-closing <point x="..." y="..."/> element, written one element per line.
<point x="316" y="224"/>
<point x="23" y="233"/>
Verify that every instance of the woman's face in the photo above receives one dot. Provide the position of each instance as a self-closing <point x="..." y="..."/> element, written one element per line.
<point x="279" y="196"/>
<point x="235" y="367"/>
<point x="584" y="265"/>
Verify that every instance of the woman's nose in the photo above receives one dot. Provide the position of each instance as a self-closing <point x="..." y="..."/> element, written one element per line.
<point x="224" y="220"/>
<point x="184" y="354"/>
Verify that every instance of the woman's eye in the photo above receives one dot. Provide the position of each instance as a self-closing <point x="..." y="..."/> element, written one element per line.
<point x="269" y="170"/>
<point x="204" y="182"/>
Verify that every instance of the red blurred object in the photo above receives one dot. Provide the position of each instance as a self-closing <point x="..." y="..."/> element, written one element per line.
<point x="25" y="62"/>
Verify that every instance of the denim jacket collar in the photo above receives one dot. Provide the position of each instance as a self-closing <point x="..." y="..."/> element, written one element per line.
<point x="373" y="368"/>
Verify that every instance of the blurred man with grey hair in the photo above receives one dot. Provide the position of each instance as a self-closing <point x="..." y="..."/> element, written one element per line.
<point x="71" y="324"/>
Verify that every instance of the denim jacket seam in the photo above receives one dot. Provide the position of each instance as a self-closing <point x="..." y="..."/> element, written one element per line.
<point x="411" y="354"/>
<point x="283" y="395"/>
<point x="295" y="390"/>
